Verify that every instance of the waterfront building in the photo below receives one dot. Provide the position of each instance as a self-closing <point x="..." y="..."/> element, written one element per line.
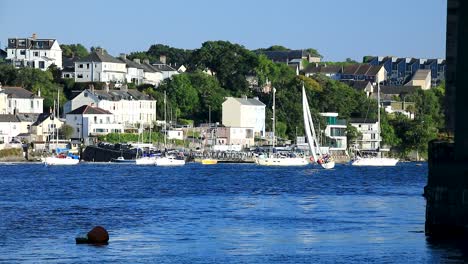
<point x="244" y="112"/>
<point x="89" y="121"/>
<point x="130" y="106"/>
<point x="369" y="129"/>
<point x="233" y="136"/>
<point x="335" y="134"/>
<point x="33" y="52"/>
<point x="19" y="100"/>
<point x="45" y="127"/>
<point x="9" y="129"/>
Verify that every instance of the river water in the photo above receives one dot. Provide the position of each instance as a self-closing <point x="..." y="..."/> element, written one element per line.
<point x="228" y="213"/>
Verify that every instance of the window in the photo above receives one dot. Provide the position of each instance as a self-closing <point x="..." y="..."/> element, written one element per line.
<point x="32" y="103"/>
<point x="36" y="54"/>
<point x="85" y="94"/>
<point x="22" y="52"/>
<point x="41" y="65"/>
<point x="108" y="119"/>
<point x="76" y="118"/>
<point x="80" y="66"/>
<point x="78" y="129"/>
<point x="87" y="66"/>
<point x="95" y="119"/>
<point x="80" y="76"/>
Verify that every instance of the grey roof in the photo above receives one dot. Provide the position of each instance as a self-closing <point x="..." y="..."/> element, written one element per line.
<point x="8" y="118"/>
<point x="18" y="92"/>
<point x="361" y="69"/>
<point x="363" y="120"/>
<point x="248" y="101"/>
<point x="148" y="67"/>
<point x="99" y="55"/>
<point x="312" y="68"/>
<point x="130" y="63"/>
<point x="89" y="110"/>
<point x="421" y="74"/>
<point x="41" y="118"/>
<point x="163" y="67"/>
<point x="285" y="55"/>
<point x="27" y="117"/>
<point x="30" y="43"/>
<point x="398" y="89"/>
<point x="358" y="85"/>
<point x="117" y="95"/>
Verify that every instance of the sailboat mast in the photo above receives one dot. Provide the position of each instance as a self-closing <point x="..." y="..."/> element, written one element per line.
<point x="378" y="115"/>
<point x="273" y="119"/>
<point x="165" y="127"/>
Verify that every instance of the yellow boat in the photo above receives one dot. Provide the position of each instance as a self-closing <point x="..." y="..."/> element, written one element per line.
<point x="209" y="161"/>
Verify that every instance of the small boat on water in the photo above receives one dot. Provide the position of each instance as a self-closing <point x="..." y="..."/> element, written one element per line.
<point x="170" y="160"/>
<point x="209" y="161"/>
<point x="61" y="159"/>
<point x="122" y="160"/>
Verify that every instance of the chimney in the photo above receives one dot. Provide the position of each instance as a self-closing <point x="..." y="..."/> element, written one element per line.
<point x="137" y="61"/>
<point x="162" y="59"/>
<point x="123" y="56"/>
<point x="34" y="36"/>
<point x="39" y="92"/>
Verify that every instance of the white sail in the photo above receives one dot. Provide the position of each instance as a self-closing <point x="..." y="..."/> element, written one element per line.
<point x="314" y="145"/>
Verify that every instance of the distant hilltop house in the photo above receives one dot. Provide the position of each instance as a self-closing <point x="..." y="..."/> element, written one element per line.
<point x="369" y="129"/>
<point x="19" y="100"/>
<point x="401" y="70"/>
<point x="129" y="106"/>
<point x="99" y="66"/>
<point x="291" y="57"/>
<point x="244" y="113"/>
<point x="34" y="52"/>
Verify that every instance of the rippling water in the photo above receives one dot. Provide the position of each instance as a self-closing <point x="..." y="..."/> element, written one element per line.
<point x="212" y="214"/>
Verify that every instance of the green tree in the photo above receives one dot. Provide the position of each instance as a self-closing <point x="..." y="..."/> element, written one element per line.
<point x="66" y="131"/>
<point x="74" y="50"/>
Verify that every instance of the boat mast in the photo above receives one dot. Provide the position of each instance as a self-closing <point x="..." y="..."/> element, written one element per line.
<point x="165" y="127"/>
<point x="273" y="119"/>
<point x="378" y="116"/>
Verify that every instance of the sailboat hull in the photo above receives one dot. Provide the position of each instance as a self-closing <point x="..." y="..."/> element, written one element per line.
<point x="374" y="162"/>
<point x="328" y="165"/>
<point x="282" y="161"/>
<point x="145" y="161"/>
<point x="165" y="161"/>
<point x="60" y="161"/>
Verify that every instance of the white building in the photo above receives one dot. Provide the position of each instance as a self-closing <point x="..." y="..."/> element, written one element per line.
<point x="89" y="122"/>
<point x="422" y="77"/>
<point x="175" y="134"/>
<point x="33" y="52"/>
<point x="244" y="112"/>
<point x="335" y="131"/>
<point x="45" y="127"/>
<point x="9" y="129"/>
<point x="235" y="136"/>
<point x="99" y="66"/>
<point x="19" y="100"/>
<point x="129" y="106"/>
<point x="135" y="71"/>
<point x="369" y="128"/>
<point x="151" y="74"/>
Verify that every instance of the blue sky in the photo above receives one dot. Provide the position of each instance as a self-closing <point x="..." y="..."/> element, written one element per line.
<point x="337" y="28"/>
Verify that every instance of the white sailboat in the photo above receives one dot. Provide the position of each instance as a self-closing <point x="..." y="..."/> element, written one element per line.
<point x="144" y="160"/>
<point x="168" y="159"/>
<point x="376" y="159"/>
<point x="276" y="159"/>
<point x="60" y="157"/>
<point x="324" y="160"/>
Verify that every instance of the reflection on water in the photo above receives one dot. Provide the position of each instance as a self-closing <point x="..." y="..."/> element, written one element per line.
<point x="222" y="213"/>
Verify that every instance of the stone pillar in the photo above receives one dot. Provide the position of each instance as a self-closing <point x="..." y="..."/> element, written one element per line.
<point x="447" y="187"/>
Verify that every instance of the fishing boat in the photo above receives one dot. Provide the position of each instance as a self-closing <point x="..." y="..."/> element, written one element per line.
<point x="121" y="159"/>
<point x="324" y="160"/>
<point x="375" y="157"/>
<point x="278" y="159"/>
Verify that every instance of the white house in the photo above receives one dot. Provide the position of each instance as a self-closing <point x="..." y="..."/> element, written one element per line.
<point x="129" y="106"/>
<point x="45" y="127"/>
<point x="135" y="71"/>
<point x="244" y="112"/>
<point x="369" y="128"/>
<point x="33" y="52"/>
<point x="9" y="129"/>
<point x="19" y="100"/>
<point x="335" y="131"/>
<point x="99" y="66"/>
<point x="233" y="136"/>
<point x="175" y="134"/>
<point x="151" y="74"/>
<point x="89" y="122"/>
